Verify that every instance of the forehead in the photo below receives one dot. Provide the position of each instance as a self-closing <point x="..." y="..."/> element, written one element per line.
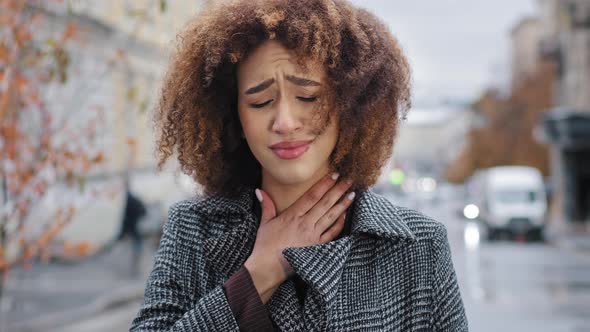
<point x="272" y="56"/>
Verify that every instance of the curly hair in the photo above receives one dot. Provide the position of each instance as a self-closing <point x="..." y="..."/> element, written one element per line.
<point x="367" y="74"/>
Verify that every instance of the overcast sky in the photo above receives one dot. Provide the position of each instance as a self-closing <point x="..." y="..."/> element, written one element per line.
<point x="456" y="47"/>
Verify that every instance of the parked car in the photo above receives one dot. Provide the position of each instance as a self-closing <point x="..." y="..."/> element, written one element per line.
<point x="510" y="199"/>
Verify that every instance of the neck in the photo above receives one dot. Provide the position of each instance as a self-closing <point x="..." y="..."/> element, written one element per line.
<point x="284" y="195"/>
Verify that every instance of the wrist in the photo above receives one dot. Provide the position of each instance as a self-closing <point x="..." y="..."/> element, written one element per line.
<point x="265" y="279"/>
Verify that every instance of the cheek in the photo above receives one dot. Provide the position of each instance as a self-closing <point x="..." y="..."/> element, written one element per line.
<point x="254" y="129"/>
<point x="248" y="122"/>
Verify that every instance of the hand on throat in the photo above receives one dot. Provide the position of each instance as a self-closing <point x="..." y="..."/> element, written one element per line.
<point x="284" y="195"/>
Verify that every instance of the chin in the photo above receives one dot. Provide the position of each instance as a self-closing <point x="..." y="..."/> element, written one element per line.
<point x="292" y="174"/>
<point x="292" y="177"/>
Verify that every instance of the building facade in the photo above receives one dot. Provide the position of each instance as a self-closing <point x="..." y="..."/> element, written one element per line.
<point x="525" y="37"/>
<point x="566" y="38"/>
<point x="118" y="57"/>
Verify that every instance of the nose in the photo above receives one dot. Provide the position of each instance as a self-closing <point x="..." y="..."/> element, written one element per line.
<point x="286" y="120"/>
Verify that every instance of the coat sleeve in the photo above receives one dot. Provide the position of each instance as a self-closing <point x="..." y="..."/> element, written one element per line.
<point x="449" y="313"/>
<point x="167" y="306"/>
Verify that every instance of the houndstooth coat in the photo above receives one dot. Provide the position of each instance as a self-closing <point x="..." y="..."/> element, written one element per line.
<point x="392" y="273"/>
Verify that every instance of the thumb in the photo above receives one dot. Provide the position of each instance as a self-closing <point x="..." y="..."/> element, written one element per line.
<point x="268" y="206"/>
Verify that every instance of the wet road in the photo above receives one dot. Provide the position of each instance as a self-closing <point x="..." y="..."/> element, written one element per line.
<point x="512" y="286"/>
<point x="118" y="319"/>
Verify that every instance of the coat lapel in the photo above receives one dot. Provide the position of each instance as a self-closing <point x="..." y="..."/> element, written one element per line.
<point x="320" y="266"/>
<point x="284" y="308"/>
<point x="227" y="252"/>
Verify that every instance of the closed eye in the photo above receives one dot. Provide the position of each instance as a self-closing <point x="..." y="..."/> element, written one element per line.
<point x="305" y="99"/>
<point x="261" y="104"/>
<point x="308" y="99"/>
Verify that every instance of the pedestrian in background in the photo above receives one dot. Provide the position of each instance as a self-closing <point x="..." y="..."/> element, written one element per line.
<point x="133" y="213"/>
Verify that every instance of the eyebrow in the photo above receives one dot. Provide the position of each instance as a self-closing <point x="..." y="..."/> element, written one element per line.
<point x="293" y="79"/>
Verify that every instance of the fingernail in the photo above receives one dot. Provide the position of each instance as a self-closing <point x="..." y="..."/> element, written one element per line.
<point x="335" y="176"/>
<point x="349" y="181"/>
<point x="258" y="195"/>
<point x="351" y="195"/>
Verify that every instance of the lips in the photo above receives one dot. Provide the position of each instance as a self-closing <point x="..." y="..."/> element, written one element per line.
<point x="290" y="149"/>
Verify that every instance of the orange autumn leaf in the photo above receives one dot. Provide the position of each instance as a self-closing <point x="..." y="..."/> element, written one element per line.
<point x="4" y="101"/>
<point x="99" y="158"/>
<point x="4" y="53"/>
<point x="83" y="248"/>
<point x="10" y="132"/>
<point x="70" y="31"/>
<point x="20" y="81"/>
<point x="5" y="19"/>
<point x="3" y="264"/>
<point x="22" y="35"/>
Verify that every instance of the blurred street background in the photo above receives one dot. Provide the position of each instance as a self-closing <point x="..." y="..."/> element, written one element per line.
<point x="496" y="146"/>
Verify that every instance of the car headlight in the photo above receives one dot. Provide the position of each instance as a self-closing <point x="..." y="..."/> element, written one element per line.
<point x="471" y="211"/>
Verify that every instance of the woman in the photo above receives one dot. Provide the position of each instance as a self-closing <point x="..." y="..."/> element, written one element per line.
<point x="285" y="111"/>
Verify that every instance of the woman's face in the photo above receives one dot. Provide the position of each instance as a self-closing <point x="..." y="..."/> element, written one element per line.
<point x="277" y="101"/>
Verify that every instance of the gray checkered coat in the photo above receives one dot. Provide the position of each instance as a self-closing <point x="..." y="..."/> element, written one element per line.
<point x="392" y="273"/>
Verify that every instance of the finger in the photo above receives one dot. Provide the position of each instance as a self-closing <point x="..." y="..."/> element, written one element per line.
<point x="268" y="207"/>
<point x="327" y="202"/>
<point x="328" y="219"/>
<point x="333" y="231"/>
<point x="304" y="203"/>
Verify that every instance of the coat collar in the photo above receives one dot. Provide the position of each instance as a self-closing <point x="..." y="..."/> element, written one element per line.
<point x="320" y="266"/>
<point x="372" y="214"/>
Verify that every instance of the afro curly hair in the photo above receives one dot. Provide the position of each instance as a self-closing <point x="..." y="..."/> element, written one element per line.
<point x="367" y="73"/>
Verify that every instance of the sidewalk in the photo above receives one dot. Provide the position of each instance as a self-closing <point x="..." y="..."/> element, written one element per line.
<point x="570" y="237"/>
<point x="576" y="242"/>
<point x="55" y="294"/>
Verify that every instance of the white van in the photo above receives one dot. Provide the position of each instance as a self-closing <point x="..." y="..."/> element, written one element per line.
<point x="511" y="199"/>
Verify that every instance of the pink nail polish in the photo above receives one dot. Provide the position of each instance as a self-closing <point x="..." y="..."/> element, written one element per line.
<point x="258" y="195"/>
